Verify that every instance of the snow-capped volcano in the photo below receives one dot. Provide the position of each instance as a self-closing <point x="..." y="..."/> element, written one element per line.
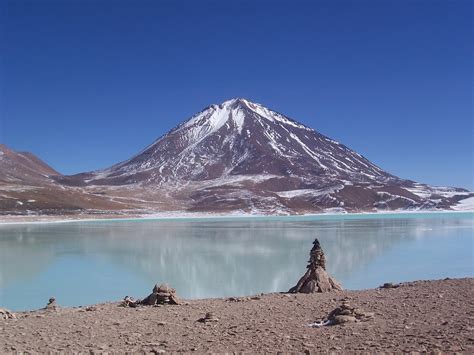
<point x="239" y="137"/>
<point x="240" y="155"/>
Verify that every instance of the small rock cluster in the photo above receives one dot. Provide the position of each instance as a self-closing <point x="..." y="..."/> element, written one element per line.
<point x="243" y="299"/>
<point x="161" y="294"/>
<point x="6" y="314"/>
<point x="345" y="313"/>
<point x="316" y="279"/>
<point x="390" y="285"/>
<point x="209" y="317"/>
<point x="52" y="305"/>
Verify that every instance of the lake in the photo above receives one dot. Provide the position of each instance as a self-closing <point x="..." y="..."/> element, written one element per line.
<point x="83" y="263"/>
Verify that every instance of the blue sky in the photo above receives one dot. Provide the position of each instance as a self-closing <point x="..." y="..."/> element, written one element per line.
<point x="85" y="84"/>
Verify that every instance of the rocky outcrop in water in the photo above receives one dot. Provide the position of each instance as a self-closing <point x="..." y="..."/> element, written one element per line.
<point x="316" y="279"/>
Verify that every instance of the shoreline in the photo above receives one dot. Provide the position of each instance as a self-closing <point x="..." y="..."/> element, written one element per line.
<point x="45" y="219"/>
<point x="434" y="315"/>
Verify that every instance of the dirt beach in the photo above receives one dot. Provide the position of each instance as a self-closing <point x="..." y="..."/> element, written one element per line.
<point x="417" y="316"/>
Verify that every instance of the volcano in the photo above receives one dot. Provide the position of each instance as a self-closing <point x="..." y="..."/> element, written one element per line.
<point x="242" y="156"/>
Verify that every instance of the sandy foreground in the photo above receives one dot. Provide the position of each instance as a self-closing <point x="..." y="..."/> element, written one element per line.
<point x="417" y="316"/>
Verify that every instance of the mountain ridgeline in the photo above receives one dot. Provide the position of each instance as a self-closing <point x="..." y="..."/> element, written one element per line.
<point x="240" y="156"/>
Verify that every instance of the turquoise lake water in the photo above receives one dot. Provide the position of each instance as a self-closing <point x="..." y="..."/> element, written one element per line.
<point x="83" y="263"/>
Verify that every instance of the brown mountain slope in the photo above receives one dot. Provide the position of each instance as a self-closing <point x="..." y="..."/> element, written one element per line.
<point x="27" y="187"/>
<point x="23" y="167"/>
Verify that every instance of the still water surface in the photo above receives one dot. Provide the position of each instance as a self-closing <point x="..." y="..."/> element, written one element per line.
<point x="89" y="262"/>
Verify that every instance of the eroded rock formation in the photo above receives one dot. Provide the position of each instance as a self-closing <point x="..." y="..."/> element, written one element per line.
<point x="316" y="279"/>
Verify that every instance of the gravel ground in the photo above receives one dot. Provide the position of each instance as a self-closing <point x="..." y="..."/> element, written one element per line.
<point x="417" y="316"/>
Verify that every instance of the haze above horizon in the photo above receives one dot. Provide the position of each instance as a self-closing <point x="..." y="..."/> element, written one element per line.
<point x="86" y="84"/>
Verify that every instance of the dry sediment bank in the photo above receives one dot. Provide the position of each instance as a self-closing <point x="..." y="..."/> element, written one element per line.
<point x="417" y="316"/>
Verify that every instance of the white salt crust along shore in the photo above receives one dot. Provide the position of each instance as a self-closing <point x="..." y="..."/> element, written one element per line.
<point x="11" y="219"/>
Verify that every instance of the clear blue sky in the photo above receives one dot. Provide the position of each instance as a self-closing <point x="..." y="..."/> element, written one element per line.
<point x="86" y="84"/>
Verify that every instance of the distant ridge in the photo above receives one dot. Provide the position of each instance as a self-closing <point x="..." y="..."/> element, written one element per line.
<point x="23" y="167"/>
<point x="28" y="186"/>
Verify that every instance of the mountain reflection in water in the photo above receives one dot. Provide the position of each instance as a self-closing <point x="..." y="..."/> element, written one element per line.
<point x="83" y="263"/>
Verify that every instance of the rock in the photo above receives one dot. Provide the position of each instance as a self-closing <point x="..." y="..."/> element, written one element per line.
<point x="316" y="279"/>
<point x="389" y="285"/>
<point x="361" y="315"/>
<point x="345" y="313"/>
<point x="340" y="319"/>
<point x="309" y="286"/>
<point x="209" y="317"/>
<point x="150" y="300"/>
<point x="161" y="294"/>
<point x="6" y="314"/>
<point x="129" y="302"/>
<point x="174" y="299"/>
<point x="52" y="305"/>
<point x="163" y="288"/>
